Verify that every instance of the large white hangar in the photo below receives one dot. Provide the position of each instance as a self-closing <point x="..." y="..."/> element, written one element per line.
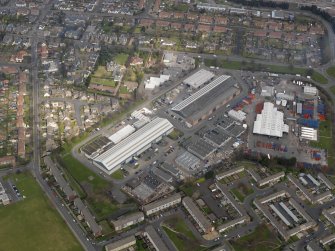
<point x="133" y="145"/>
<point x="270" y="122"/>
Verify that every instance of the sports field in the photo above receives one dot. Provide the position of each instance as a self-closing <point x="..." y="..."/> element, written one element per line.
<point x="32" y="224"/>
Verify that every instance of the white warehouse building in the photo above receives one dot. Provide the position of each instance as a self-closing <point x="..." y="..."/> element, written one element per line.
<point x="133" y="145"/>
<point x="270" y="122"/>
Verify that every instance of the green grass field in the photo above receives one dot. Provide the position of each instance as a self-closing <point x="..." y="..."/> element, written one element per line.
<point x="121" y="58"/>
<point x="118" y="175"/>
<point x="103" y="81"/>
<point x="94" y="186"/>
<point x="101" y="72"/>
<point x="32" y="224"/>
<point x="123" y="90"/>
<point x="181" y="235"/>
<point x="331" y="71"/>
<point x="260" y="240"/>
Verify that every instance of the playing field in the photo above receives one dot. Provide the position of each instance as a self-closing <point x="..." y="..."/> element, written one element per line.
<point x="32" y="224"/>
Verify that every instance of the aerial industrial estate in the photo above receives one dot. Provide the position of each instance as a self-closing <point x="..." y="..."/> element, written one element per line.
<point x="167" y="125"/>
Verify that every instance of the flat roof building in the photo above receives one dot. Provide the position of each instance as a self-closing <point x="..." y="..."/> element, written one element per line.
<point x="270" y="122"/>
<point x="162" y="204"/>
<point x="325" y="180"/>
<point x="200" y="105"/>
<point x="197" y="215"/>
<point x="230" y="172"/>
<point x="271" y="179"/>
<point x="121" y="244"/>
<point x="121" y="134"/>
<point x="188" y="161"/>
<point x="199" y="78"/>
<point x="133" y="145"/>
<point x="128" y="220"/>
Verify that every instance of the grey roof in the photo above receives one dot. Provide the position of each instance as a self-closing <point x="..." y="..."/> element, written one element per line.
<point x="156" y="241"/>
<point x="201" y="148"/>
<point x="199" y="78"/>
<point x="161" y="174"/>
<point x="161" y="202"/>
<point x="59" y="178"/>
<point x="128" y="241"/>
<point x="187" y="160"/>
<point x="328" y="183"/>
<point x="134" y="217"/>
<point x="217" y="136"/>
<point x="169" y="168"/>
<point x="196" y="213"/>
<point x="87" y="216"/>
<point x="205" y="96"/>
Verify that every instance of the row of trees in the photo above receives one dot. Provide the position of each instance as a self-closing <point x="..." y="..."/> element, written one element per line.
<point x="325" y="15"/>
<point x="262" y="3"/>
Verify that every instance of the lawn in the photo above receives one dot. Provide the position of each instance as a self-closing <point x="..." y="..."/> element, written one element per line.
<point x="241" y="191"/>
<point x="123" y="90"/>
<point x="103" y="81"/>
<point x="118" y="175"/>
<point x="82" y="174"/>
<point x="188" y="188"/>
<point x="95" y="187"/>
<point x="325" y="140"/>
<point x="331" y="71"/>
<point x="121" y="58"/>
<point x="101" y="72"/>
<point x="181" y="236"/>
<point x="32" y="224"/>
<point x="260" y="240"/>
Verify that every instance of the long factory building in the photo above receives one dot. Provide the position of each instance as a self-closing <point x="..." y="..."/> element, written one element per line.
<point x="200" y="105"/>
<point x="133" y="145"/>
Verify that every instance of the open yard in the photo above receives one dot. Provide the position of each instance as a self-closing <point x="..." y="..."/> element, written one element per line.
<point x="32" y="224"/>
<point x="95" y="187"/>
<point x="121" y="58"/>
<point x="242" y="190"/>
<point x="181" y="235"/>
<point x="103" y="81"/>
<point x="260" y="240"/>
<point x="118" y="175"/>
<point x="101" y="72"/>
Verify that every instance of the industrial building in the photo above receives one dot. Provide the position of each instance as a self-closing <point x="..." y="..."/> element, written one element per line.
<point x="128" y="220"/>
<point x="122" y="244"/>
<point x="270" y="122"/>
<point x="238" y="115"/>
<point x="162" y="204"/>
<point x="309" y="133"/>
<point x="201" y="148"/>
<point x="151" y="234"/>
<point x="310" y="90"/>
<point x="200" y="105"/>
<point x="154" y="82"/>
<point x="188" y="161"/>
<point x="197" y="215"/>
<point x="121" y="134"/>
<point x="133" y="145"/>
<point x="199" y="78"/>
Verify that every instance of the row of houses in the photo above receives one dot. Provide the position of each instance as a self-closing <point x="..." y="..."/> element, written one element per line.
<point x="72" y="197"/>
